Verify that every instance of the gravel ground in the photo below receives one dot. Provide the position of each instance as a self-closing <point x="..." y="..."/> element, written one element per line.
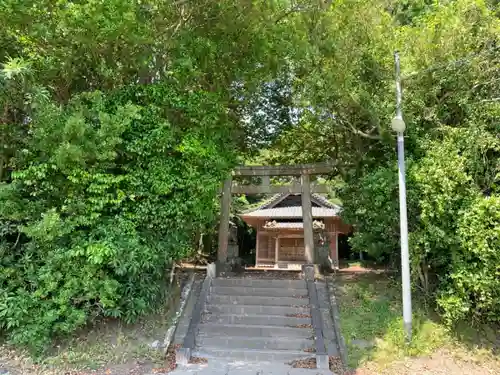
<point x="440" y="363"/>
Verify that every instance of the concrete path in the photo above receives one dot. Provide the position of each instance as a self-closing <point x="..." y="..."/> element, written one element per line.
<point x="245" y="368"/>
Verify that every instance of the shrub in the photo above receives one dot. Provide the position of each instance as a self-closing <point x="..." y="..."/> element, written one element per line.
<point x="372" y="204"/>
<point x="473" y="288"/>
<point x="453" y="217"/>
<point x="108" y="192"/>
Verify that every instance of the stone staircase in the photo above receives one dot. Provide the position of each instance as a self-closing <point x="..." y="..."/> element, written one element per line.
<point x="256" y="320"/>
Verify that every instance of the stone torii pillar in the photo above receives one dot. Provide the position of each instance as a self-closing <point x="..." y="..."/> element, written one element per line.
<point x="224" y="221"/>
<point x="307" y="218"/>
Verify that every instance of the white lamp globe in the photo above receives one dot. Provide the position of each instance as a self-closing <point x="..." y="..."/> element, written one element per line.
<point x="398" y="124"/>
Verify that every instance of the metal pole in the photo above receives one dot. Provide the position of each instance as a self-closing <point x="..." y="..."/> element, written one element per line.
<point x="405" y="256"/>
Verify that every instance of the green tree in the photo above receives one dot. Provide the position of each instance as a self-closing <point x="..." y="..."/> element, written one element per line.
<point x="118" y="122"/>
<point x="451" y="85"/>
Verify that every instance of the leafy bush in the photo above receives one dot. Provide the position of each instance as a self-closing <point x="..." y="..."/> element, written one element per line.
<point x="453" y="221"/>
<point x="445" y="189"/>
<point x="108" y="192"/>
<point x="371" y="203"/>
<point x="473" y="288"/>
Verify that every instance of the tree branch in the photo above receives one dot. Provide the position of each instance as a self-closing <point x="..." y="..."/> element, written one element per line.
<point x="287" y="13"/>
<point x="359" y="132"/>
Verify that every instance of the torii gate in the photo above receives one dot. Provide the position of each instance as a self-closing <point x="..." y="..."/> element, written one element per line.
<point x="265" y="172"/>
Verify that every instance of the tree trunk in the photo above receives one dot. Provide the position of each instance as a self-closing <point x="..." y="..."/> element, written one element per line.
<point x="423" y="275"/>
<point x="1" y="167"/>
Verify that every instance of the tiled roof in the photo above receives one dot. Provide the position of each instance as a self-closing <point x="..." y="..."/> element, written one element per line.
<point x="277" y="198"/>
<point x="325" y="202"/>
<point x="292" y="212"/>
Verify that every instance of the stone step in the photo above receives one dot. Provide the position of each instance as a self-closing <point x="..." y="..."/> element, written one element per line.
<point x="252" y="355"/>
<point x="260" y="283"/>
<point x="214" y="329"/>
<point x="221" y="367"/>
<point x="256" y="309"/>
<point x="258" y="300"/>
<point x="258" y="291"/>
<point x="271" y="343"/>
<point x="268" y="320"/>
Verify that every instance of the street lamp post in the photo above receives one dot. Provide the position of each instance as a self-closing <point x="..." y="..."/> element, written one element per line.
<point x="398" y="125"/>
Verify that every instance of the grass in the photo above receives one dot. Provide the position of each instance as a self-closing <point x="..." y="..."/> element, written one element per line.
<point x="112" y="342"/>
<point x="109" y="343"/>
<point x="371" y="322"/>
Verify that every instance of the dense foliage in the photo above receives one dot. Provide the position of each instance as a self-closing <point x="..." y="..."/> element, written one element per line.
<point x="454" y="167"/>
<point x="119" y="119"/>
<point x="450" y="59"/>
<point x="107" y="193"/>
